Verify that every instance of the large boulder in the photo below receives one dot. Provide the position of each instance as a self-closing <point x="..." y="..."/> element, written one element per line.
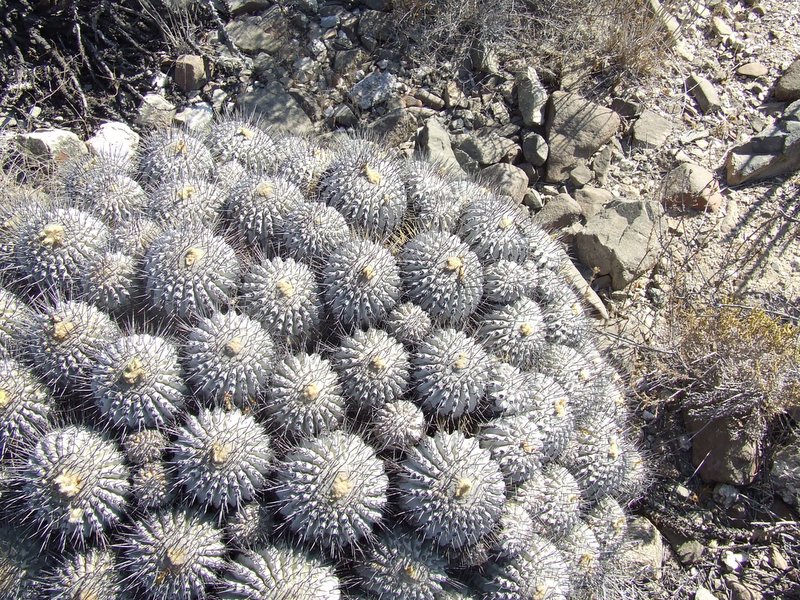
<point x="275" y="107"/>
<point x="576" y="129"/>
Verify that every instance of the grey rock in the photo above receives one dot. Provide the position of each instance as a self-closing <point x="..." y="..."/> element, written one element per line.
<point x="592" y="200"/>
<point x="690" y="552"/>
<point x="559" y="212"/>
<point x="429" y="99"/>
<point x="752" y="69"/>
<point x="740" y="591"/>
<point x="465" y="161"/>
<point x="453" y="96"/>
<point x="254" y="34"/>
<point x="530" y="171"/>
<point x="646" y="552"/>
<point x="395" y="127"/>
<point x="651" y="130"/>
<point x="691" y="186"/>
<point x="374" y="89"/>
<point x="580" y="175"/>
<point x="489" y="148"/>
<point x="702" y="593"/>
<point x="377" y="4"/>
<point x="348" y="61"/>
<point x="275" y="107"/>
<point x="576" y="129"/>
<point x="156" y="111"/>
<point x="704" y="93"/>
<point x="602" y="163"/>
<point x="785" y="474"/>
<point x="57" y="145"/>
<point x="787" y="87"/>
<point x="573" y="275"/>
<point x="190" y="72"/>
<point x="376" y="24"/>
<point x="627" y="109"/>
<point x="114" y="139"/>
<point x="241" y="7"/>
<point x="434" y="141"/>
<point x="724" y="450"/>
<point x="343" y="116"/>
<point x="621" y="240"/>
<point x="533" y="200"/>
<point x="507" y="179"/>
<point x="484" y="58"/>
<point x="535" y="149"/>
<point x="531" y="97"/>
<point x="310" y="7"/>
<point x="329" y="21"/>
<point x="196" y="117"/>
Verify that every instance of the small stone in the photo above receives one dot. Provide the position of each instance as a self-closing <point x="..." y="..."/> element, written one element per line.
<point x="434" y="141"/>
<point x="733" y="561"/>
<point x="156" y="111"/>
<point x="276" y="108"/>
<point x="531" y="97"/>
<point x="785" y="474"/>
<point x="532" y="200"/>
<point x="559" y="212"/>
<point x="683" y="492"/>
<point x="721" y="27"/>
<point x="724" y="450"/>
<point x="703" y="594"/>
<point x="429" y="99"/>
<point x="507" y="180"/>
<point x="592" y="200"/>
<point x="787" y="89"/>
<point x="651" y="130"/>
<point x="535" y="149"/>
<point x="197" y="117"/>
<point x="704" y="93"/>
<point x="395" y="127"/>
<point x="580" y="176"/>
<point x="374" y="89"/>
<point x="602" y="163"/>
<point x="690" y="552"/>
<point x="627" y="109"/>
<point x="343" y="116"/>
<point x="57" y="145"/>
<point x="752" y="69"/>
<point x="740" y="591"/>
<point x="453" y="96"/>
<point x="263" y="33"/>
<point x="691" y="186"/>
<point x="190" y="72"/>
<point x="114" y="139"/>
<point x="777" y="559"/>
<point x="646" y="547"/>
<point x="489" y="148"/>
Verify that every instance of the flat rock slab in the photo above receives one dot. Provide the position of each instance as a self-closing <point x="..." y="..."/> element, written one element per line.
<point x="723" y="450"/>
<point x="273" y="106"/>
<point x="650" y="130"/>
<point x="576" y="129"/>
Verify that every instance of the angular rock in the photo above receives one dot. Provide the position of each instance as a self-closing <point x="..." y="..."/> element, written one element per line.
<point x="348" y="61"/>
<point x="507" y="179"/>
<point x="702" y="593"/>
<point x="453" y="96"/>
<point x="241" y="7"/>
<point x="785" y="474"/>
<point x="114" y="139"/>
<point x="627" y="109"/>
<point x="374" y="89"/>
<point x="646" y="552"/>
<point x="190" y="72"/>
<point x="429" y="99"/>
<point x="752" y="69"/>
<point x="156" y="111"/>
<point x="592" y="200"/>
<point x="621" y="240"/>
<point x="724" y="450"/>
<point x="489" y="148"/>
<point x="253" y="34"/>
<point x="651" y="130"/>
<point x="559" y="212"/>
<point x="196" y="117"/>
<point x="57" y="145"/>
<point x="576" y="129"/>
<point x="602" y="163"/>
<point x="704" y="93"/>
<point x="434" y="141"/>
<point x="580" y="176"/>
<point x="535" y="149"/>
<point x="343" y="116"/>
<point x="275" y="107"/>
<point x="787" y="88"/>
<point x="395" y="127"/>
<point x="772" y="152"/>
<point x="691" y="186"/>
<point x="531" y="97"/>
<point x="573" y="275"/>
<point x="377" y="25"/>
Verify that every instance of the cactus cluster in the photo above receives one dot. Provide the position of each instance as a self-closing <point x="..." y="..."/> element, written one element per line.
<point x="246" y="365"/>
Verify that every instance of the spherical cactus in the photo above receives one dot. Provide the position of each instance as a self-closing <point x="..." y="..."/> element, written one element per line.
<point x="75" y="485"/>
<point x="365" y="184"/>
<point x="90" y="574"/>
<point x="136" y="382"/>
<point x="409" y="323"/>
<point x="451" y="489"/>
<point x="134" y="238"/>
<point x="544" y="253"/>
<point x="21" y="564"/>
<point x="173" y="554"/>
<point x="25" y="406"/>
<point x="397" y="426"/>
<point x="172" y="153"/>
<point x="494" y="228"/>
<point x="332" y="491"/>
<point x="564" y="317"/>
<point x="189" y="273"/>
<point x="250" y="527"/>
<point x="186" y="200"/>
<point x="441" y="275"/>
<point x="516" y="443"/>
<point x="147" y="445"/>
<point x="305" y="398"/>
<point x="110" y="195"/>
<point x="401" y="566"/>
<point x="16" y="320"/>
<point x="435" y="205"/>
<point x="152" y="486"/>
<point x="506" y="281"/>
<point x="56" y="245"/>
<point x="361" y="283"/>
<point x="221" y="458"/>
<point x="15" y="213"/>
<point x="450" y="372"/>
<point x="282" y="295"/>
<point x="608" y="522"/>
<point x="258" y="205"/>
<point x="373" y="368"/>
<point x="514" y="333"/>
<point x="301" y="160"/>
<point x="110" y="282"/>
<point x="65" y="340"/>
<point x="228" y="359"/>
<point x="580" y="548"/>
<point x="243" y="140"/>
<point x="312" y="231"/>
<point x="279" y="573"/>
<point x="553" y="498"/>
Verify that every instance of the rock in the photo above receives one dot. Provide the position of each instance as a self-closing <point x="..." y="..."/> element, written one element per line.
<point x="114" y="139"/>
<point x="190" y="72"/>
<point x="156" y="111"/>
<point x="377" y="25"/>
<point x="275" y="107"/>
<point x="703" y="594"/>
<point x="704" y="93"/>
<point x="377" y="4"/>
<point x="772" y="152"/>
<point x="724" y="450"/>
<point x="429" y="99"/>
<point x="787" y="88"/>
<point x="785" y="474"/>
<point x="621" y="240"/>
<point x="453" y="96"/>
<point x="434" y="141"/>
<point x="580" y="175"/>
<point x="533" y="200"/>
<point x="752" y="69"/>
<point x="531" y="97"/>
<point x="602" y="163"/>
<point x="484" y="58"/>
<point x="777" y="559"/>
<point x="691" y="186"/>
<point x="721" y="27"/>
<point x="241" y="7"/>
<point x="573" y="275"/>
<point x="535" y="149"/>
<point x="627" y="109"/>
<point x="343" y="116"/>
<point x="690" y="552"/>
<point x="465" y="161"/>
<point x="57" y="145"/>
<point x="374" y="89"/>
<point x="489" y="148"/>
<point x="650" y="130"/>
<point x="646" y="552"/>
<point x="349" y="61"/>
<point x="395" y="127"/>
<point x="576" y="129"/>
<point x="592" y="200"/>
<point x="740" y="591"/>
<point x="254" y="34"/>
<point x="559" y="212"/>
<point x="196" y="117"/>
<point x="507" y="179"/>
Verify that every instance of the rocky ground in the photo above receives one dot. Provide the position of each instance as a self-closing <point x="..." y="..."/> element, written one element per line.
<point x="679" y="187"/>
